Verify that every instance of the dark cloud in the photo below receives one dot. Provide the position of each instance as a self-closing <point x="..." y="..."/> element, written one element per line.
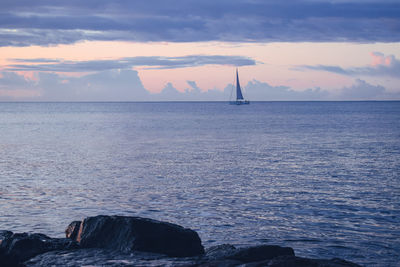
<point x="36" y="60"/>
<point x="156" y="62"/>
<point x="381" y="66"/>
<point x="333" y="69"/>
<point x="45" y="22"/>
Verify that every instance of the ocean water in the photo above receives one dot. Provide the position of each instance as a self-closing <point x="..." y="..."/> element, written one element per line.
<point x="321" y="177"/>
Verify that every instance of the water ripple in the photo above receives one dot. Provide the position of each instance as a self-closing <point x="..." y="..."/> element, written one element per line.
<point x="320" y="177"/>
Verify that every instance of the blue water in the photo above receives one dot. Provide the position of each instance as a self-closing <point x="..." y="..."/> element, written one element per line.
<point x="321" y="177"/>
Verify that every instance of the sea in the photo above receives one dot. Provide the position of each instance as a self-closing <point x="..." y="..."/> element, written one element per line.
<point x="320" y="177"/>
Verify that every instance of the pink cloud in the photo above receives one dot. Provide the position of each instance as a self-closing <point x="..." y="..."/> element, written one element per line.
<point x="380" y="59"/>
<point x="29" y="75"/>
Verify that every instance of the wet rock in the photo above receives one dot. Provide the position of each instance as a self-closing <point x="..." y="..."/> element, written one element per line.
<point x="134" y="241"/>
<point x="287" y="261"/>
<point x="219" y="252"/>
<point x="73" y="230"/>
<point x="247" y="254"/>
<point x="217" y="263"/>
<point x="105" y="257"/>
<point x="293" y="261"/>
<point x="19" y="247"/>
<point x="259" y="253"/>
<point x="336" y="263"/>
<point x="5" y="258"/>
<point x="137" y="234"/>
<point x="260" y="256"/>
<point x="4" y="235"/>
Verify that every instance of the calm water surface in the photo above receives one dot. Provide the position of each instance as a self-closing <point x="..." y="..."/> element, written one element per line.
<point x="321" y="177"/>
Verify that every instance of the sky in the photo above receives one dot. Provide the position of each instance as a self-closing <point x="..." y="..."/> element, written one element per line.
<point x="188" y="50"/>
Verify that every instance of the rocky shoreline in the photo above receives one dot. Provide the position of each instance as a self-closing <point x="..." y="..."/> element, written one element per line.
<point x="135" y="241"/>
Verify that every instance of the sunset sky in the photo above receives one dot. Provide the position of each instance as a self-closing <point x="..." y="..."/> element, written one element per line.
<point x="154" y="50"/>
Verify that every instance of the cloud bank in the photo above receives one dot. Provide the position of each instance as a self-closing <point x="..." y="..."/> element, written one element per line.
<point x="154" y="62"/>
<point x="125" y="85"/>
<point x="45" y="22"/>
<point x="381" y="66"/>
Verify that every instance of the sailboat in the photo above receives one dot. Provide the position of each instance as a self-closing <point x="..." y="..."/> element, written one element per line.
<point x="239" y="96"/>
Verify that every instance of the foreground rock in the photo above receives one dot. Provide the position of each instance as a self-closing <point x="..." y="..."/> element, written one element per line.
<point x="134" y="241"/>
<point x="136" y="234"/>
<point x="105" y="257"/>
<point x="264" y="255"/>
<point x="249" y="254"/>
<point x="17" y="248"/>
<point x="224" y="256"/>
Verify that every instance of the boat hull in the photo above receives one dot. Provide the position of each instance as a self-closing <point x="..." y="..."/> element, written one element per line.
<point x="238" y="102"/>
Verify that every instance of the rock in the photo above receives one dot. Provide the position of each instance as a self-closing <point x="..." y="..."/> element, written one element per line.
<point x="135" y="241"/>
<point x="5" y="258"/>
<point x="217" y="263"/>
<point x="289" y="261"/>
<point x="260" y="253"/>
<point x="104" y="257"/>
<point x="4" y="235"/>
<point x="73" y="230"/>
<point x="336" y="263"/>
<point x="219" y="252"/>
<point x="19" y="247"/>
<point x="293" y="261"/>
<point x="137" y="234"/>
<point x="107" y="257"/>
<point x="247" y="254"/>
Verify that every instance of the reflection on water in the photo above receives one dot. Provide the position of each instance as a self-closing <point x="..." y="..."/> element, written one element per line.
<point x="321" y="177"/>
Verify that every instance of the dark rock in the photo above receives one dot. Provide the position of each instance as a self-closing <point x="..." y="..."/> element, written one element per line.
<point x="293" y="261"/>
<point x="4" y="235"/>
<point x="247" y="254"/>
<point x="217" y="263"/>
<point x="260" y="253"/>
<point x="135" y="233"/>
<point x="107" y="257"/>
<point x="104" y="257"/>
<point x="290" y="261"/>
<point x="5" y="259"/>
<point x="219" y="252"/>
<point x="73" y="230"/>
<point x="134" y="241"/>
<point x="336" y="263"/>
<point x="19" y="247"/>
